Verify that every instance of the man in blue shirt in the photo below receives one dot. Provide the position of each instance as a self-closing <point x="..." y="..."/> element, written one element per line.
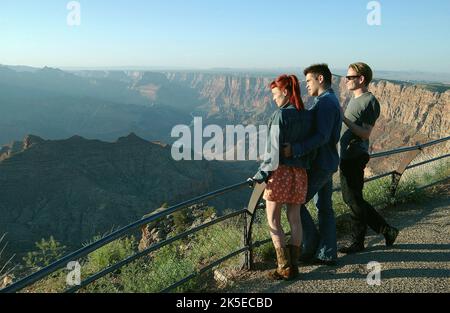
<point x="320" y="247"/>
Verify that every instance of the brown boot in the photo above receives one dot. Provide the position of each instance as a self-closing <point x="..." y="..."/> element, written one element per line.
<point x="284" y="268"/>
<point x="294" y="252"/>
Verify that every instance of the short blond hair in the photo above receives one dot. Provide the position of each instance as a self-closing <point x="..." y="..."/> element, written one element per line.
<point x="364" y="70"/>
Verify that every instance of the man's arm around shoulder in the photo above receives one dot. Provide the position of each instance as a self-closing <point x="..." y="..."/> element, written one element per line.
<point x="326" y="115"/>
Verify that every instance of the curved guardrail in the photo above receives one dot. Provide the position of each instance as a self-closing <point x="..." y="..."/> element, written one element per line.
<point x="248" y="214"/>
<point x="111" y="237"/>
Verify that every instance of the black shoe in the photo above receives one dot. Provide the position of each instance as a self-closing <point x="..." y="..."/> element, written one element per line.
<point x="390" y="234"/>
<point x="353" y="248"/>
<point x="318" y="261"/>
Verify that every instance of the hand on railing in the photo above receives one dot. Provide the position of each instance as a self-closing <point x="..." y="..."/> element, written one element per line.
<point x="259" y="178"/>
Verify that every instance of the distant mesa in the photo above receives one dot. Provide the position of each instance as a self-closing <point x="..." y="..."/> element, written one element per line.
<point x="51" y="70"/>
<point x="29" y="141"/>
<point x="76" y="138"/>
<point x="131" y="138"/>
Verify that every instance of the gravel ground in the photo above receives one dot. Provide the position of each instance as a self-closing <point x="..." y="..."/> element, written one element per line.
<point x="418" y="262"/>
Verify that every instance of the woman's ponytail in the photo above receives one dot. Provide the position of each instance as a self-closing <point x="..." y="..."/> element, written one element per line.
<point x="296" y="98"/>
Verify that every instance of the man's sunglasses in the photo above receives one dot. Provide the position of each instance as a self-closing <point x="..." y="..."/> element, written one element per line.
<point x="352" y="77"/>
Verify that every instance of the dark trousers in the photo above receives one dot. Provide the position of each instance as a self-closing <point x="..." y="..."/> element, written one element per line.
<point x="362" y="213"/>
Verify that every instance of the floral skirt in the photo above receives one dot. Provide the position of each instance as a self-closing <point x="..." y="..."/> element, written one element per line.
<point x="287" y="185"/>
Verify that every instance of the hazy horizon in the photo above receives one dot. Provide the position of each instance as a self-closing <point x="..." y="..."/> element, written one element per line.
<point x="411" y="75"/>
<point x="230" y="34"/>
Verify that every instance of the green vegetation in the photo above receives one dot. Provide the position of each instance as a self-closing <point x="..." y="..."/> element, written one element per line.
<point x="209" y="212"/>
<point x="181" y="221"/>
<point x="110" y="254"/>
<point x="47" y="251"/>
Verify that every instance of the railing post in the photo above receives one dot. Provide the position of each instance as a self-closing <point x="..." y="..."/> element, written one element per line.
<point x="395" y="179"/>
<point x="397" y="174"/>
<point x="251" y="210"/>
<point x="248" y="253"/>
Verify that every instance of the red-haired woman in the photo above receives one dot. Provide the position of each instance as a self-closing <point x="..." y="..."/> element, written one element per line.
<point x="286" y="179"/>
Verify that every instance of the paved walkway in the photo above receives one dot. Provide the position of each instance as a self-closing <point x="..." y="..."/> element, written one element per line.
<point x="418" y="262"/>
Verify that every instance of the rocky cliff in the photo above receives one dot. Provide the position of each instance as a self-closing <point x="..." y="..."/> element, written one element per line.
<point x="75" y="189"/>
<point x="229" y="98"/>
<point x="409" y="113"/>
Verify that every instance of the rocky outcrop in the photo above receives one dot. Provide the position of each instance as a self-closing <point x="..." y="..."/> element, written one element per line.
<point x="425" y="111"/>
<point x="6" y="281"/>
<point x="161" y="229"/>
<point x="19" y="146"/>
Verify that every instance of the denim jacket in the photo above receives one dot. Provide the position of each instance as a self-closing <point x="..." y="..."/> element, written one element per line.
<point x="294" y="126"/>
<point x="328" y="123"/>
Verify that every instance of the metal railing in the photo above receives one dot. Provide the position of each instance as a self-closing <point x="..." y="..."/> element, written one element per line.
<point x="115" y="236"/>
<point x="246" y="216"/>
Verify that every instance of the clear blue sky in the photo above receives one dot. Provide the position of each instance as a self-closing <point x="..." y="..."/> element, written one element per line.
<point x="414" y="35"/>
